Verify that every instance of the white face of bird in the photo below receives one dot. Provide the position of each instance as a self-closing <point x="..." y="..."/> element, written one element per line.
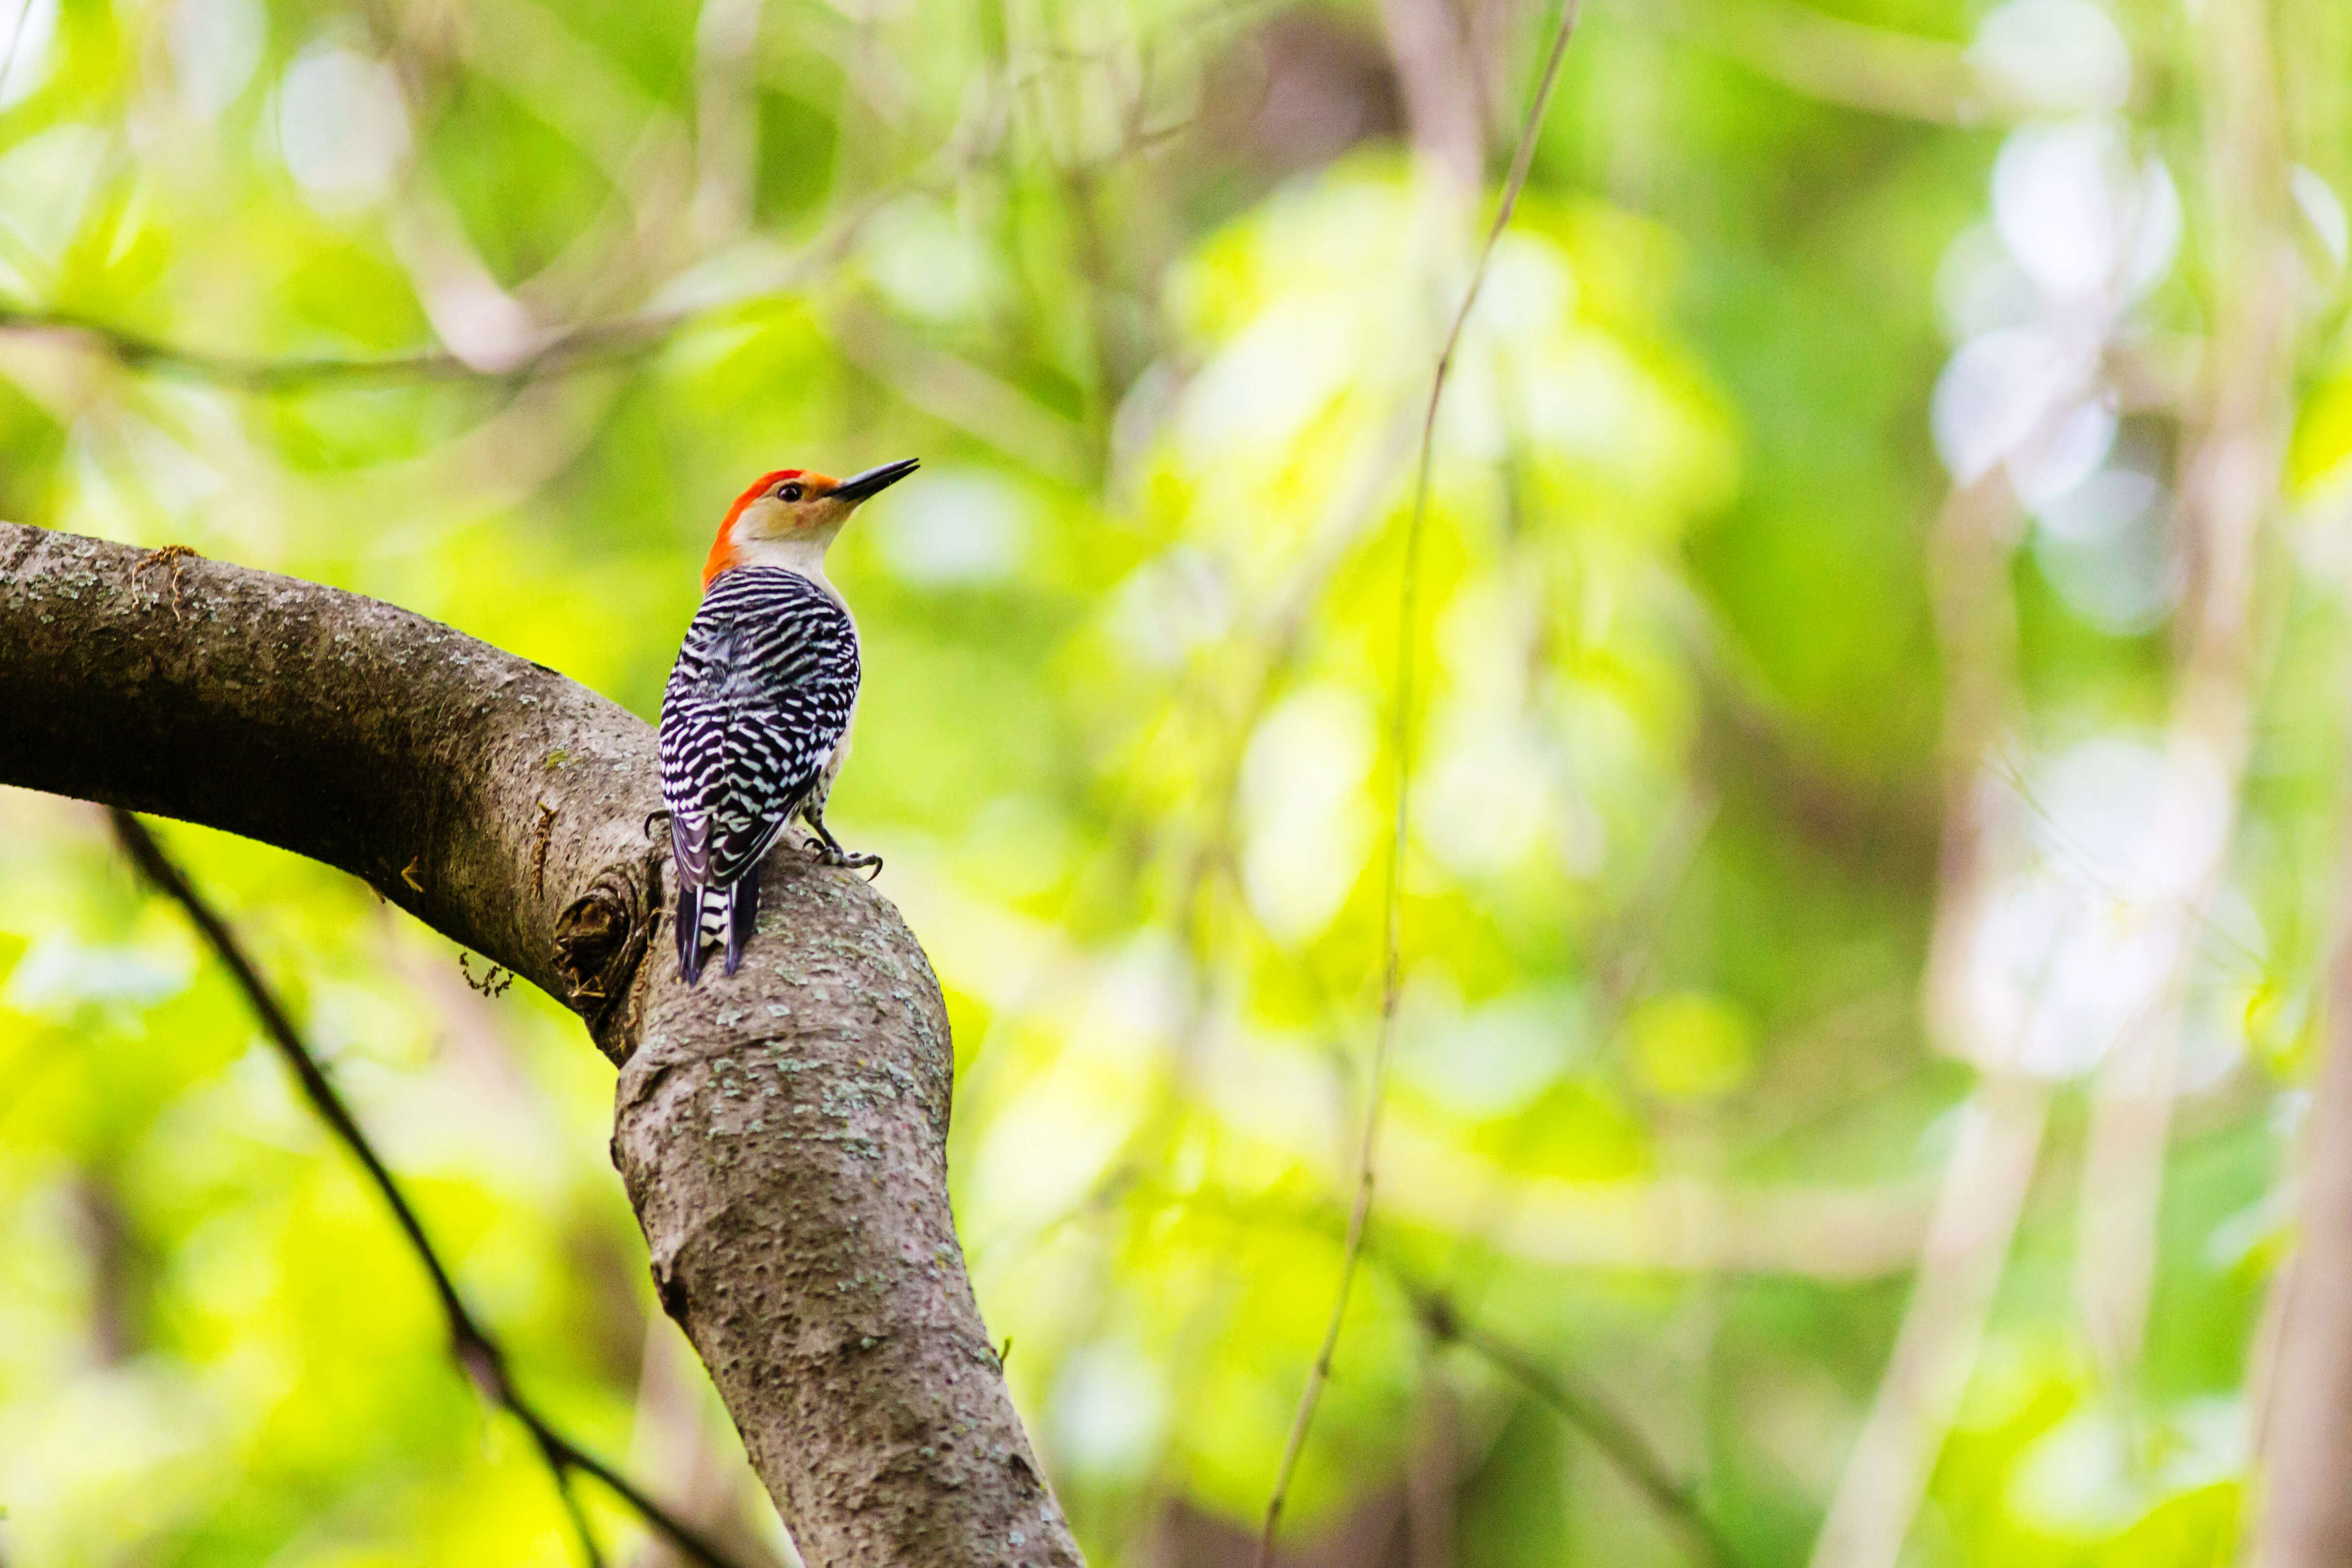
<point x="789" y="516"/>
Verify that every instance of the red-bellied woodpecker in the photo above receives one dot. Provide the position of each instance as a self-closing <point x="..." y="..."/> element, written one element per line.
<point x="755" y="721"/>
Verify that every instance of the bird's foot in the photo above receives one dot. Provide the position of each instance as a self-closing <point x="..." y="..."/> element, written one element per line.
<point x="829" y="853"/>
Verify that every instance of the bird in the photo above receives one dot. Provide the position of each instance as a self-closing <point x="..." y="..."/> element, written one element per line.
<point x="756" y="717"/>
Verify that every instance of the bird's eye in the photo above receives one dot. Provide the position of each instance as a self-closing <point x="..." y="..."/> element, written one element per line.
<point x="788" y="492"/>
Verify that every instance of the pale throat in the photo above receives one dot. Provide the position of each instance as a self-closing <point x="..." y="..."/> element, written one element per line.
<point x="804" y="554"/>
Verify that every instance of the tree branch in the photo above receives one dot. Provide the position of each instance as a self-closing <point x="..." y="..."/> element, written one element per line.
<point x="480" y="1356"/>
<point x="781" y="1134"/>
<point x="2303" y="1417"/>
<point x="571" y="348"/>
<point x="1589" y="1412"/>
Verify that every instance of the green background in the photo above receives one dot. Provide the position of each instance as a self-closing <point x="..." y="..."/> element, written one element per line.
<point x="1154" y="291"/>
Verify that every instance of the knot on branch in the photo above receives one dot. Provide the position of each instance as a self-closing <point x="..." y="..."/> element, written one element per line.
<point x="600" y="939"/>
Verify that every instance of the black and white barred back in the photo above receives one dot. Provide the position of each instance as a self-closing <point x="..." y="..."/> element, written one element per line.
<point x="762" y="694"/>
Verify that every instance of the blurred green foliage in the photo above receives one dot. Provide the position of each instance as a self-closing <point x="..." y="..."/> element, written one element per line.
<point x="1154" y="289"/>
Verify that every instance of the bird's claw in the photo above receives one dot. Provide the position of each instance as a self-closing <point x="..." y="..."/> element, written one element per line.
<point x="829" y="854"/>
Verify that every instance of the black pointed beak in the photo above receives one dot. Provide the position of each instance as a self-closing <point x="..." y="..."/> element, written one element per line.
<point x="857" y="487"/>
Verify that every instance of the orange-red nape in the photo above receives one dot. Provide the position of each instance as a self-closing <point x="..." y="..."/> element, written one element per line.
<point x="723" y="548"/>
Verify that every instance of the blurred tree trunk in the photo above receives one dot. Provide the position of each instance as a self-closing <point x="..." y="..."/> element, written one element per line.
<point x="2306" y="1436"/>
<point x="1438" y="78"/>
<point x="782" y="1134"/>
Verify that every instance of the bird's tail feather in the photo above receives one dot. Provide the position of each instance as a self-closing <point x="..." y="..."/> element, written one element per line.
<point x="692" y="898"/>
<point x="742" y="914"/>
<point x="709" y="915"/>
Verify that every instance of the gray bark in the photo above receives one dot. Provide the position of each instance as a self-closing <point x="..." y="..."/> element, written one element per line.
<point x="782" y="1134"/>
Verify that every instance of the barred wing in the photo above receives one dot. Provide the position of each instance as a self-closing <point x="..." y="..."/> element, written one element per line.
<point x="760" y="696"/>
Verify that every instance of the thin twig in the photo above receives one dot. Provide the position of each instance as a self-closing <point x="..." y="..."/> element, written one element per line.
<point x="590" y="1552"/>
<point x="1588" y="1410"/>
<point x="483" y="1362"/>
<point x="575" y="348"/>
<point x="1375" y="1094"/>
<point x="581" y="346"/>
